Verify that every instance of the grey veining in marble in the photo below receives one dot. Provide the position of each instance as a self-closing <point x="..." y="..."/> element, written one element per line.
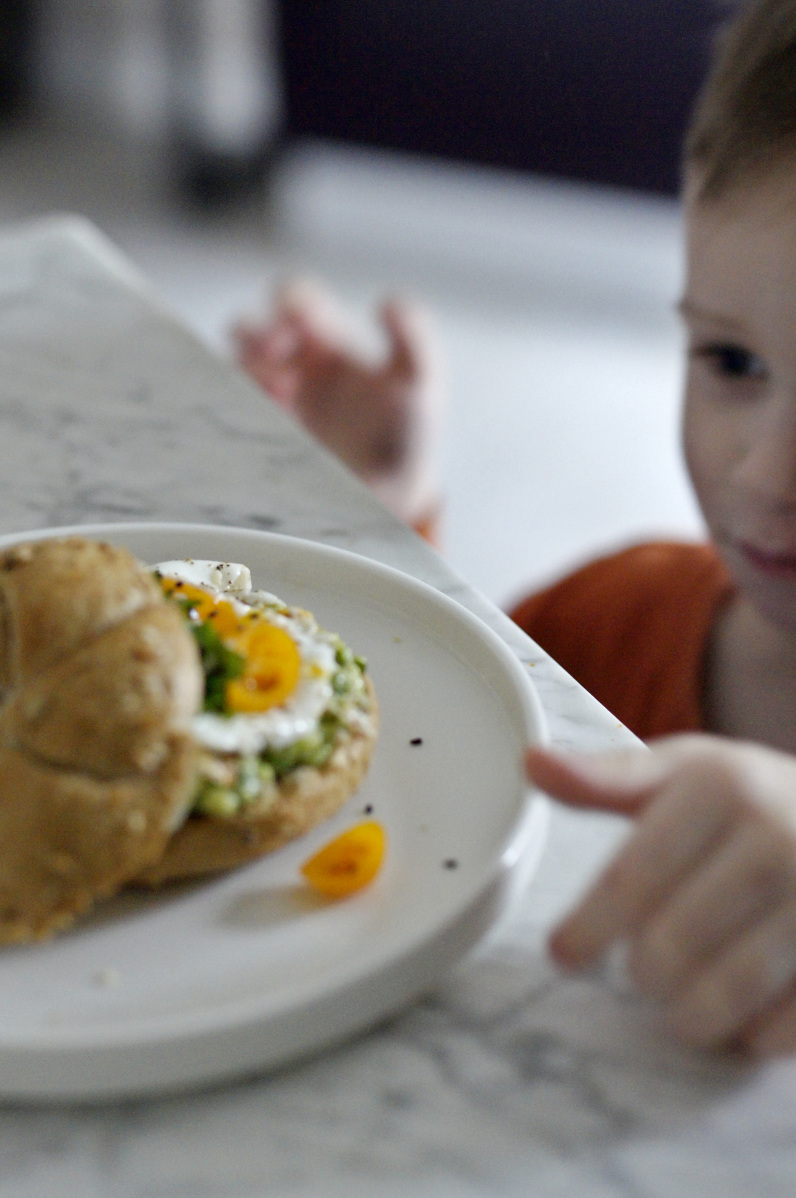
<point x="509" y="1079"/>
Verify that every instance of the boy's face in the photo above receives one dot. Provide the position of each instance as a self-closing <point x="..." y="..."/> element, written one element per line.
<point x="740" y="410"/>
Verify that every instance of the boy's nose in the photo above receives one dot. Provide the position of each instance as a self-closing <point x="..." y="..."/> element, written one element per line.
<point x="768" y="466"/>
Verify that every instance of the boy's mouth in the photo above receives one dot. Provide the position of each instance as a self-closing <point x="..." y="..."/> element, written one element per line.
<point x="773" y="563"/>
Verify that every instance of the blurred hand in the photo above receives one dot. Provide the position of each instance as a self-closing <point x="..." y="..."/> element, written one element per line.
<point x="383" y="420"/>
<point x="703" y="892"/>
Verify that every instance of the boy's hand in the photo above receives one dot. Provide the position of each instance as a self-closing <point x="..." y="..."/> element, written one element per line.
<point x="382" y="419"/>
<point x="703" y="892"/>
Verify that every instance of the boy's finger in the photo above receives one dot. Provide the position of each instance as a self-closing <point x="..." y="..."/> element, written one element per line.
<point x="755" y="972"/>
<point x="621" y="780"/>
<point x="773" y="1033"/>
<point x="671" y="840"/>
<point x="616" y="781"/>
<point x="274" y="344"/>
<point x="751" y="872"/>
<point x="314" y="311"/>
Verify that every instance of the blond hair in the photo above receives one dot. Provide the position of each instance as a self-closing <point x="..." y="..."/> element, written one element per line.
<point x="745" y="117"/>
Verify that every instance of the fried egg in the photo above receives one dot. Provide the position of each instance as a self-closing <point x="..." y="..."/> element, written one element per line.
<point x="292" y="672"/>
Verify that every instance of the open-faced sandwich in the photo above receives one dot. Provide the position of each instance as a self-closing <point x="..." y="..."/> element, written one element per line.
<point x="287" y="725"/>
<point x="158" y="724"/>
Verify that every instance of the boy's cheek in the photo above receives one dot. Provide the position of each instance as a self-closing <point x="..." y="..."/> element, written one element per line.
<point x="704" y="447"/>
<point x="715" y="443"/>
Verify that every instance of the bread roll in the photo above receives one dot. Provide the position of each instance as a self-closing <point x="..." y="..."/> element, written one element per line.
<point x="101" y="679"/>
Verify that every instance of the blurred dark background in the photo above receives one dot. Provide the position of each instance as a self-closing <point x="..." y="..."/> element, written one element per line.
<point x="597" y="90"/>
<point x="16" y="42"/>
<point x="594" y="90"/>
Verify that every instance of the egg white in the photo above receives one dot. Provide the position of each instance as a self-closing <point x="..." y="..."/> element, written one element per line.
<point x="298" y="716"/>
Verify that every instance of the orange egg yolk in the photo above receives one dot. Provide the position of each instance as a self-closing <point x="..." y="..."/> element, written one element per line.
<point x="271" y="657"/>
<point x="271" y="670"/>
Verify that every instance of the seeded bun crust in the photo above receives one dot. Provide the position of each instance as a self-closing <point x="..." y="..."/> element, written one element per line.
<point x="100" y="678"/>
<point x="306" y="796"/>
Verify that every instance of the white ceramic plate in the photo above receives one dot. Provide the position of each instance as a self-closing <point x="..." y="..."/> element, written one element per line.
<point x="249" y="970"/>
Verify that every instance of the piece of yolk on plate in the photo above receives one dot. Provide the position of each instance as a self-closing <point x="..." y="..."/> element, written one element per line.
<point x="349" y="862"/>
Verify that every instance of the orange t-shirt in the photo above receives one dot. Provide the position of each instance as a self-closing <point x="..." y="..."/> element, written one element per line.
<point x="633" y="629"/>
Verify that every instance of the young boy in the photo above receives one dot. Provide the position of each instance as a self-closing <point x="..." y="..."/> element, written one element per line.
<point x="676" y="638"/>
<point x="704" y="893"/>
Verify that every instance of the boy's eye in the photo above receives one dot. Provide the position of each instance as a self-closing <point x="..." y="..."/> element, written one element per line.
<point x="732" y="361"/>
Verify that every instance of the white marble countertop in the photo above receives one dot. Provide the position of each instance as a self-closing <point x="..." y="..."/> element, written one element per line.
<point x="508" y="1079"/>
